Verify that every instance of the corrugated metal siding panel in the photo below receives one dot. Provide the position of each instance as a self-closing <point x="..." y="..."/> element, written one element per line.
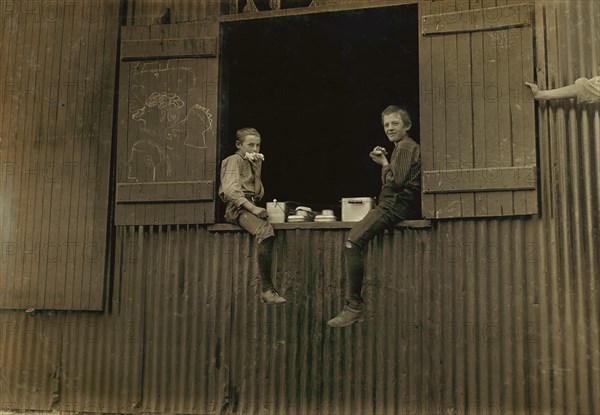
<point x="471" y="316"/>
<point x="479" y="319"/>
<point x="286" y="360"/>
<point x="30" y="351"/>
<point x="186" y="320"/>
<point x="569" y="139"/>
<point x="101" y="360"/>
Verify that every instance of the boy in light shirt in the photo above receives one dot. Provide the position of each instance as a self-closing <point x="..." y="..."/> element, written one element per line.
<point x="241" y="188"/>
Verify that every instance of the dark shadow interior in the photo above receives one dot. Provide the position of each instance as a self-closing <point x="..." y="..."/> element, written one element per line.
<point x="314" y="86"/>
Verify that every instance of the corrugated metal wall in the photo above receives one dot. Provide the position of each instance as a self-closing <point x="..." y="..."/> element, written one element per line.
<point x="486" y="316"/>
<point x="569" y="137"/>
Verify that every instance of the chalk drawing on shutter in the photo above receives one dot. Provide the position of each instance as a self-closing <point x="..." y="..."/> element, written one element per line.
<point x="146" y="158"/>
<point x="165" y="119"/>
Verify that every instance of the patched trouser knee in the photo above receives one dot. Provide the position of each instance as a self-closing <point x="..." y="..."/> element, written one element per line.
<point x="259" y="228"/>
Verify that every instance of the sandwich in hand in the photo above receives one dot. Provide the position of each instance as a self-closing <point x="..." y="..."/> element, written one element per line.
<point x="254" y="156"/>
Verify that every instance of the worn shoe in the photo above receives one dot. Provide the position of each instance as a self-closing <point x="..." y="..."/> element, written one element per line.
<point x="271" y="296"/>
<point x="352" y="313"/>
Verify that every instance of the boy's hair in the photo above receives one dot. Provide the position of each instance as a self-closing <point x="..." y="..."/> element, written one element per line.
<point x="243" y="132"/>
<point x="404" y="115"/>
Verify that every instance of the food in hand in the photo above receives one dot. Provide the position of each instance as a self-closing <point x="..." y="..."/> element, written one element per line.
<point x="254" y="156"/>
<point x="378" y="151"/>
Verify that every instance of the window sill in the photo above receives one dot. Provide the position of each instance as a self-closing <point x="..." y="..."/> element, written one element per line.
<point x="407" y="224"/>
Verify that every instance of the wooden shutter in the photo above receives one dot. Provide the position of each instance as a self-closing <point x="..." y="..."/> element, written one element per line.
<point x="57" y="88"/>
<point x="167" y="124"/>
<point x="477" y="117"/>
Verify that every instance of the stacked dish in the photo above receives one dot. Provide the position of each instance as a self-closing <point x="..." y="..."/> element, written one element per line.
<point x="303" y="214"/>
<point x="326" y="216"/>
<point x="297" y="218"/>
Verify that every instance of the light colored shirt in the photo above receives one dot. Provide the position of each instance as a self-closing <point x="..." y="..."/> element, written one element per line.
<point x="240" y="181"/>
<point x="588" y="90"/>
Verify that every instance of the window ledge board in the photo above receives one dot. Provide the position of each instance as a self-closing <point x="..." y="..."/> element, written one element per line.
<point x="406" y="224"/>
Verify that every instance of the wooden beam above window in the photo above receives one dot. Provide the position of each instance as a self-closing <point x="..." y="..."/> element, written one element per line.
<point x="493" y="18"/>
<point x="322" y="6"/>
<point x="202" y="47"/>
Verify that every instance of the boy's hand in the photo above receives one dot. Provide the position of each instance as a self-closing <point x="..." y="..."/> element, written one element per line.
<point x="378" y="155"/>
<point x="535" y="90"/>
<point x="260" y="212"/>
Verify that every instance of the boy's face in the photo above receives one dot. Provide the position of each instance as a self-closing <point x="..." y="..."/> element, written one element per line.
<point x="249" y="144"/>
<point x="394" y="127"/>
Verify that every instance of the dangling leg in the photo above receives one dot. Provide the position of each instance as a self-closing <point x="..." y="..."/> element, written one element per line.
<point x="354" y="311"/>
<point x="265" y="261"/>
<point x="265" y="236"/>
<point x="362" y="232"/>
<point x="355" y="270"/>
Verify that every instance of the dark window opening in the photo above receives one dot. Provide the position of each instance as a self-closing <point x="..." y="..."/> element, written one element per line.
<point x="314" y="86"/>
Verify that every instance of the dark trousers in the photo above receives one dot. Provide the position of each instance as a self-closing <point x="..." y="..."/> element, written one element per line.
<point x="388" y="212"/>
<point x="265" y="236"/>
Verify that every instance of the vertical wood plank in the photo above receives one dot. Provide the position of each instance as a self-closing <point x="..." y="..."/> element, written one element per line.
<point x="29" y="95"/>
<point x="25" y="89"/>
<point x="465" y="113"/>
<point x="67" y="168"/>
<point x="158" y="214"/>
<point x="439" y="118"/>
<point x="427" y="96"/>
<point x="529" y="135"/>
<point x="94" y="251"/>
<point x="7" y="168"/>
<point x="68" y="97"/>
<point x="453" y="206"/>
<point x="143" y="213"/>
<point x="478" y="99"/>
<point x="490" y="78"/>
<point x="101" y="171"/>
<point x="86" y="132"/>
<point x="124" y="213"/>
<point x="505" y="156"/>
<point x="211" y="98"/>
<point x="199" y="158"/>
<point x="517" y="105"/>
<point x="80" y="113"/>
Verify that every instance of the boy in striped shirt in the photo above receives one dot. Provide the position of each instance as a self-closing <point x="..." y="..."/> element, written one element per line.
<point x="400" y="199"/>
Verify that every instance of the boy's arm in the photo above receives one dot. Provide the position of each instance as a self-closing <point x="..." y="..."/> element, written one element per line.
<point x="569" y="91"/>
<point x="585" y="90"/>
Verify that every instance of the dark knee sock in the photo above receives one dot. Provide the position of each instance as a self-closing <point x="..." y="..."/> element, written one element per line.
<point x="265" y="260"/>
<point x="355" y="269"/>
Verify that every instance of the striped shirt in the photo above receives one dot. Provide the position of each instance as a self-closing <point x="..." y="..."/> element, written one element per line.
<point x="403" y="174"/>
